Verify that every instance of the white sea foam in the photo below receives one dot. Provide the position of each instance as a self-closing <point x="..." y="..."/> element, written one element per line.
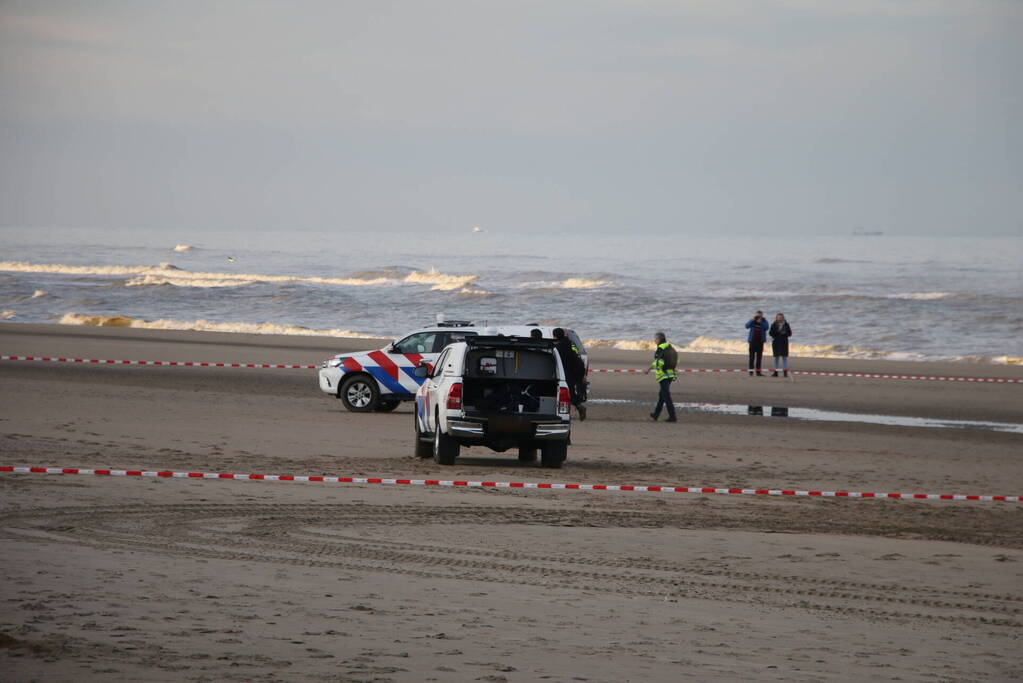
<point x="206" y="326"/>
<point x="61" y="269"/>
<point x="7" y="315"/>
<point x="167" y="273"/>
<point x="440" y="281"/>
<point x="713" y="345"/>
<point x="735" y="346"/>
<point x="920" y="296"/>
<point x="622" y="344"/>
<point x="570" y="283"/>
<point x="39" y="293"/>
<point x="183" y="247"/>
<point x="187" y="281"/>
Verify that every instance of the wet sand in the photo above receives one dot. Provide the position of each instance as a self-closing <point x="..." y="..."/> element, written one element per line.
<point x="125" y="579"/>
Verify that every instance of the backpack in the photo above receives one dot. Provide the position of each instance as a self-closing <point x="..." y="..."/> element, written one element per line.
<point x="670" y="358"/>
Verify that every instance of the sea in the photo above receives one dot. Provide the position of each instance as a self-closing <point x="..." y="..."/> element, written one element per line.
<point x="854" y="296"/>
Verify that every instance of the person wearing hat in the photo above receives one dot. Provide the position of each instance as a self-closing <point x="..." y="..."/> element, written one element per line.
<point x="757" y="327"/>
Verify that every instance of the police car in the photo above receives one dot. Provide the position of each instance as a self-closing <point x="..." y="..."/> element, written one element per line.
<point x="381" y="379"/>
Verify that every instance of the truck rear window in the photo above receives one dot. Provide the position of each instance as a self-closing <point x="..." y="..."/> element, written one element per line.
<point x="510" y="364"/>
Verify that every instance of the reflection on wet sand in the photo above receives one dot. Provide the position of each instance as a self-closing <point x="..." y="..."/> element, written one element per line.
<point x="831" y="415"/>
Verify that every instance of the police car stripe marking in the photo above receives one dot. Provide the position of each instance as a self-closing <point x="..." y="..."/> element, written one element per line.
<point x="417" y="380"/>
<point x="385" y="363"/>
<point x="385" y="379"/>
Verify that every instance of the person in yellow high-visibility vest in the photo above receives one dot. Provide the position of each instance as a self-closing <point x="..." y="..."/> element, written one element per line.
<point x="665" y="360"/>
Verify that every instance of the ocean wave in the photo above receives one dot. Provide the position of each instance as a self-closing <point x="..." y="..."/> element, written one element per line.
<point x="440" y="281"/>
<point x="389" y="273"/>
<point x="733" y="346"/>
<point x="472" y="293"/>
<point x="621" y="344"/>
<point x="920" y="296"/>
<point x="62" y="269"/>
<point x="7" y="315"/>
<point x="168" y="273"/>
<point x="160" y="280"/>
<point x="712" y="345"/>
<point x="570" y="283"/>
<point x="38" y="294"/>
<point x="206" y="326"/>
<point x="183" y="247"/>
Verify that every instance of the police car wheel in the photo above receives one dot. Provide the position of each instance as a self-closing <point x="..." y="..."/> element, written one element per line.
<point x="445" y="448"/>
<point x="360" y="394"/>
<point x="387" y="406"/>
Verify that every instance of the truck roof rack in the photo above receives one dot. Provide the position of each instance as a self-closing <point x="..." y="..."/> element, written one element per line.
<point x="503" y="342"/>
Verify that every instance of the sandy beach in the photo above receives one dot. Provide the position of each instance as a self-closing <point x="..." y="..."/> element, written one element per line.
<point x="194" y="580"/>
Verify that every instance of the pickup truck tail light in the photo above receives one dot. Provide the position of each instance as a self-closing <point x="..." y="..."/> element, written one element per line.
<point x="455" y="396"/>
<point x="564" y="401"/>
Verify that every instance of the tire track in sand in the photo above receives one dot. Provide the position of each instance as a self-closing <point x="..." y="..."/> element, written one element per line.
<point x="320" y="535"/>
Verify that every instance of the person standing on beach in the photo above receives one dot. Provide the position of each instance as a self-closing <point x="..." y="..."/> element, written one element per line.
<point x="780" y="333"/>
<point x="665" y="362"/>
<point x="757" y="327"/>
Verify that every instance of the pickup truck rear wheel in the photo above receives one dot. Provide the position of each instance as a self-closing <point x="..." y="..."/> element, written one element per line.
<point x="553" y="455"/>
<point x="424" y="449"/>
<point x="527" y="454"/>
<point x="360" y="394"/>
<point x="445" y="448"/>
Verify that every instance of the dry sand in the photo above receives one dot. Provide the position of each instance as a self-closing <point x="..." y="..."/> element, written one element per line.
<point x="130" y="579"/>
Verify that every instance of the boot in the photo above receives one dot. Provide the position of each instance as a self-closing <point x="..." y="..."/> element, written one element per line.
<point x="786" y="373"/>
<point x="582" y="412"/>
<point x="775" y="373"/>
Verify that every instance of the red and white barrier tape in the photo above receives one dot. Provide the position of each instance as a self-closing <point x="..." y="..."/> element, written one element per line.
<point x="165" y="363"/>
<point x="206" y="364"/>
<point x="508" y="484"/>
<point x="867" y="375"/>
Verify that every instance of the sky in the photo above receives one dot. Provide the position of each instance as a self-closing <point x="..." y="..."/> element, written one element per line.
<point x="604" y="117"/>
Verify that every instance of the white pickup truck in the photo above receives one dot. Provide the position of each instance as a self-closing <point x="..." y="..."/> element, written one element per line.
<point x="499" y="392"/>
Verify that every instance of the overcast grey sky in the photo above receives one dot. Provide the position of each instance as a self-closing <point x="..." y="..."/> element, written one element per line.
<point x="607" y="116"/>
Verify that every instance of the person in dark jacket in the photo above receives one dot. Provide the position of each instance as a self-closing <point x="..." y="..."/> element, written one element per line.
<point x="780" y="333"/>
<point x="757" y="327"/>
<point x="575" y="371"/>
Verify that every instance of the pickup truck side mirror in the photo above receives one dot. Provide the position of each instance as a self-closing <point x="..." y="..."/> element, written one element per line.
<point x="391" y="348"/>
<point x="423" y="371"/>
